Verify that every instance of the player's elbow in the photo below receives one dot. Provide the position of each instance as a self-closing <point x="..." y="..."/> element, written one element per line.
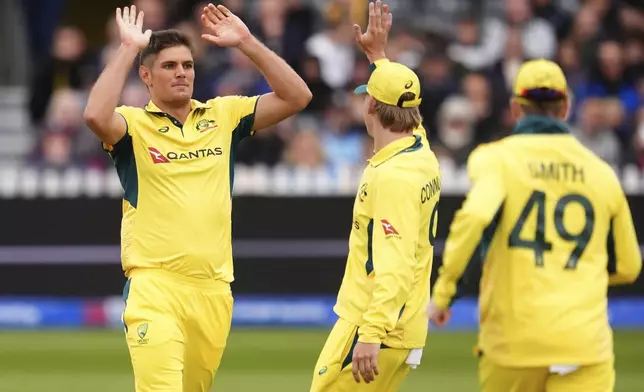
<point x="93" y="118"/>
<point x="631" y="274"/>
<point x="303" y="99"/>
<point x="627" y="274"/>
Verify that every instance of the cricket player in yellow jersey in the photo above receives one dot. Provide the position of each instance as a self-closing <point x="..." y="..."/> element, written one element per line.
<point x="554" y="230"/>
<point x="382" y="325"/>
<point x="174" y="159"/>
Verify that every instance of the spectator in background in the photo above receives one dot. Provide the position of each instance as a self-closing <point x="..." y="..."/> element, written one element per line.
<point x="438" y="82"/>
<point x="304" y="150"/>
<point x="242" y="78"/>
<point x="477" y="89"/>
<point x="342" y="143"/>
<point x="586" y="34"/>
<point x="270" y="23"/>
<point x="334" y="47"/>
<point x="538" y="36"/>
<point x="608" y="79"/>
<point x="600" y="48"/>
<point x="634" y="56"/>
<point x="477" y="46"/>
<point x="63" y="143"/>
<point x="456" y="131"/>
<point x="299" y="25"/>
<point x="482" y="45"/>
<point x="67" y="66"/>
<point x="550" y="11"/>
<point x="156" y="14"/>
<point x="638" y="139"/>
<point x="135" y="94"/>
<point x="505" y="71"/>
<point x="568" y="59"/>
<point x="594" y="132"/>
<point x="266" y="147"/>
<point x="322" y="92"/>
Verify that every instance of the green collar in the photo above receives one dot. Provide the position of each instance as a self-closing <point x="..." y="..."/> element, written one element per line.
<point x="539" y="125"/>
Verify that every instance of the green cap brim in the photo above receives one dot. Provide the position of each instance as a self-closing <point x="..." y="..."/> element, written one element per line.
<point x="360" y="89"/>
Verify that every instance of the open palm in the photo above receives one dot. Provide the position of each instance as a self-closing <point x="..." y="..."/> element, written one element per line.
<point x="131" y="27"/>
<point x="222" y="27"/>
<point x="380" y="21"/>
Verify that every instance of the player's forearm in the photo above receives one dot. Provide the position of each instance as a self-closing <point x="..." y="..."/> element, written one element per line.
<point x="626" y="265"/>
<point x="284" y="81"/>
<point x="385" y="308"/>
<point x="465" y="234"/>
<point x="106" y="92"/>
<point x="393" y="283"/>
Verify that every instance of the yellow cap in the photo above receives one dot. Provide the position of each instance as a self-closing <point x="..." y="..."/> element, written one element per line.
<point x="540" y="80"/>
<point x="389" y="81"/>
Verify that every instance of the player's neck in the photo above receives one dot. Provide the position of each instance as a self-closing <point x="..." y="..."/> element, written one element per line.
<point x="180" y="111"/>
<point x="382" y="137"/>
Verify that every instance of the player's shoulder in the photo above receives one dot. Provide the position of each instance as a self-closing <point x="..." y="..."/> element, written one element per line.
<point x="227" y="101"/>
<point x="484" y="158"/>
<point x="130" y="111"/>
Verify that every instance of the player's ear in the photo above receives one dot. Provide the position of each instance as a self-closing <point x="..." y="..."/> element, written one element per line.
<point x="515" y="110"/>
<point x="144" y="74"/>
<point x="372" y="104"/>
<point x="566" y="110"/>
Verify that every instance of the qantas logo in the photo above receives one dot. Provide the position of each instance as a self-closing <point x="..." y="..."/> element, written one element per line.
<point x="388" y="227"/>
<point x="158" y="157"/>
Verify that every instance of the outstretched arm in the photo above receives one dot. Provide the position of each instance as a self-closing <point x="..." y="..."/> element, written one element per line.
<point x="290" y="93"/>
<point x="100" y="114"/>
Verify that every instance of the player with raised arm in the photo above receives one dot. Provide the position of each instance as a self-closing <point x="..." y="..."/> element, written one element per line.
<point x="554" y="230"/>
<point x="382" y="326"/>
<point x="174" y="159"/>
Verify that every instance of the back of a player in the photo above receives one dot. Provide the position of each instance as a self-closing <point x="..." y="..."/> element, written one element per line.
<point x="553" y="252"/>
<point x="562" y="234"/>
<point x="554" y="230"/>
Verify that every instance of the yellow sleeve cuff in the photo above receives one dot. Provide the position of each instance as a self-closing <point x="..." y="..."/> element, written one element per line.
<point x="441" y="302"/>
<point x="369" y="339"/>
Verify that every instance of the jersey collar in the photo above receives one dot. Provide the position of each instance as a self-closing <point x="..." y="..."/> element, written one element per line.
<point x="194" y="104"/>
<point x="405" y="144"/>
<point x="539" y="125"/>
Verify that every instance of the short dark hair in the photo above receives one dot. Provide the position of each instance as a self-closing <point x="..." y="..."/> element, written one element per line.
<point x="164" y="39"/>
<point x="547" y="108"/>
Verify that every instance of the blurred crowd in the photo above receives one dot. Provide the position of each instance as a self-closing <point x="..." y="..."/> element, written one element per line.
<point x="466" y="70"/>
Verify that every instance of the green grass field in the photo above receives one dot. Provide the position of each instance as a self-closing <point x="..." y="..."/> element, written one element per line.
<point x="256" y="360"/>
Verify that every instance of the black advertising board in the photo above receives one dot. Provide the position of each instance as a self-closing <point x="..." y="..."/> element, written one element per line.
<point x="282" y="245"/>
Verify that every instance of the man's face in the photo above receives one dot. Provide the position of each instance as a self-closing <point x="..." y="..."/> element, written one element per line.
<point x="170" y="75"/>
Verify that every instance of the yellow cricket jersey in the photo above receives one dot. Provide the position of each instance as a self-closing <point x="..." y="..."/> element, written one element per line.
<point x="178" y="180"/>
<point x="385" y="288"/>
<point x="554" y="229"/>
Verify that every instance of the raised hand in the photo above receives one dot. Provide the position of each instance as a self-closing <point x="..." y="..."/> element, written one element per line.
<point x="222" y="27"/>
<point x="131" y="28"/>
<point x="374" y="40"/>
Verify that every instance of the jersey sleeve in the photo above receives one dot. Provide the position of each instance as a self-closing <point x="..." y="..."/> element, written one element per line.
<point x="396" y="207"/>
<point x="123" y="146"/>
<point x="241" y="111"/>
<point x="479" y="209"/>
<point x="624" y="255"/>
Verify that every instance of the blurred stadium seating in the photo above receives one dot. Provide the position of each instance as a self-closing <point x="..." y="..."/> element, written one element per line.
<point x="466" y="52"/>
